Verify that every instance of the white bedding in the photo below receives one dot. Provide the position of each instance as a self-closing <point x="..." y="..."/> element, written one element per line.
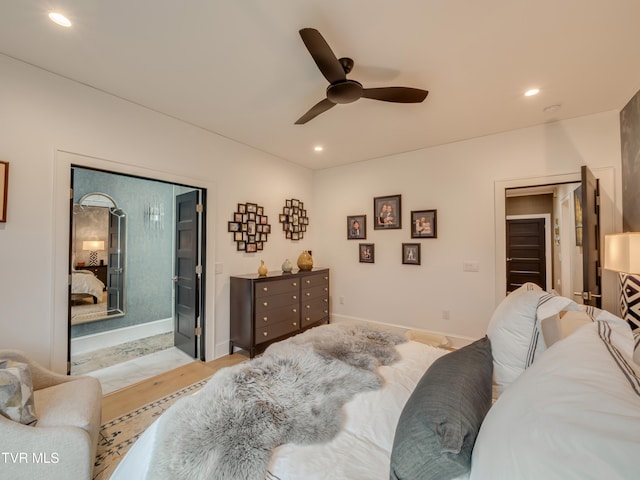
<point x="84" y="281"/>
<point x="361" y="451"/>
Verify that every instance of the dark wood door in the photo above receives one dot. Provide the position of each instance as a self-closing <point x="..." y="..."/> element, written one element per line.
<point x="591" y="291"/>
<point x="187" y="278"/>
<point x="526" y="257"/>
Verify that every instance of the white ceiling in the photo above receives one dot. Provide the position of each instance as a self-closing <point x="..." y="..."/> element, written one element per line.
<point x="239" y="68"/>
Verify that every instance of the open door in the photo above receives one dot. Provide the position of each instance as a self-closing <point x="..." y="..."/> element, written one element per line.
<point x="590" y="206"/>
<point x="187" y="274"/>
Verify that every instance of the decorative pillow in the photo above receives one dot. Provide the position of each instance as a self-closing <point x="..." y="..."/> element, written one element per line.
<point x="438" y="426"/>
<point x="514" y="330"/>
<point x="16" y="392"/>
<point x="562" y="324"/>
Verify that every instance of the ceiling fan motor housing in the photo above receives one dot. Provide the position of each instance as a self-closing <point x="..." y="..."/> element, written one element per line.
<point x="346" y="91"/>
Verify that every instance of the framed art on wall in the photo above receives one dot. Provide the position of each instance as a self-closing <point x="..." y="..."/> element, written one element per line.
<point x="4" y="186"/>
<point x="294" y="219"/>
<point x="387" y="212"/>
<point x="249" y="227"/>
<point x="356" y="227"/>
<point x="367" y="253"/>
<point x="424" y="224"/>
<point x="411" y="253"/>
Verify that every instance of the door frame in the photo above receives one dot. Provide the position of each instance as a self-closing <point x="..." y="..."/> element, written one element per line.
<point x="547" y="244"/>
<point x="610" y="222"/>
<point x="60" y="248"/>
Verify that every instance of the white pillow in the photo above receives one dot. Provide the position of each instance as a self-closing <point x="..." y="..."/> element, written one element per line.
<point x="510" y="331"/>
<point x="636" y="346"/>
<point x="574" y="414"/>
<point x="562" y="324"/>
<point x="514" y="330"/>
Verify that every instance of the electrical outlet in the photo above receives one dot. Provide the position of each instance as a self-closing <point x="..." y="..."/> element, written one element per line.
<point x="341" y="300"/>
<point x="446" y="314"/>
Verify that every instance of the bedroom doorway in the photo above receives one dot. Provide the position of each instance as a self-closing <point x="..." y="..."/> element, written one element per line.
<point x="146" y="267"/>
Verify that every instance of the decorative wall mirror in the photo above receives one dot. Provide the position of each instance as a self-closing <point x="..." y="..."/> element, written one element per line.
<point x="97" y="259"/>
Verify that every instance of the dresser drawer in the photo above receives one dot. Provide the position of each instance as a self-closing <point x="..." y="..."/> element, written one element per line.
<point x="265" y="304"/>
<point x="315" y="310"/>
<point x="270" y="332"/>
<point x="311" y="281"/>
<point x="267" y="289"/>
<point x="320" y="291"/>
<point x="276" y="315"/>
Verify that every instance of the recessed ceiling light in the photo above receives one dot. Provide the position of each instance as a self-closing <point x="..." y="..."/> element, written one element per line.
<point x="318" y="148"/>
<point x="60" y="19"/>
<point x="532" y="92"/>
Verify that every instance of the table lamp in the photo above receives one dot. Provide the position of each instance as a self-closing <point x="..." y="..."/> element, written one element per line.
<point x="93" y="246"/>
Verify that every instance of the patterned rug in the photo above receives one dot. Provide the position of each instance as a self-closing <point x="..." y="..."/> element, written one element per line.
<point x="118" y="435"/>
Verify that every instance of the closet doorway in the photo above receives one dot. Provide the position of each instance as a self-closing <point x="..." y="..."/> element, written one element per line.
<point x="142" y="241"/>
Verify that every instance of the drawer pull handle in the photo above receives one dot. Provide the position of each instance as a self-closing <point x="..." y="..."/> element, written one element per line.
<point x="308" y="306"/>
<point x="308" y="282"/>
<point x="295" y="324"/>
<point x="295" y="284"/>
<point x="326" y="311"/>
<point x="308" y="294"/>
<point x="265" y="289"/>
<point x="326" y="300"/>
<point x="295" y="310"/>
<point x="266" y="304"/>
<point x="326" y="289"/>
<point x="294" y="297"/>
<point x="266" y="319"/>
<point x="265" y="334"/>
<point x="326" y="278"/>
<point x="308" y="318"/>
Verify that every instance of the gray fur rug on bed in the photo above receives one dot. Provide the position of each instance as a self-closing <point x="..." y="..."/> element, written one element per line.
<point x="293" y="393"/>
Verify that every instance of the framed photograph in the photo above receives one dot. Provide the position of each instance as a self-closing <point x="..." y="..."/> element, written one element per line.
<point x="424" y="224"/>
<point x="233" y="227"/>
<point x="356" y="227"/>
<point x="387" y="212"/>
<point x="411" y="253"/>
<point x="4" y="187"/>
<point x="252" y="208"/>
<point x="367" y="253"/>
<point x="242" y="208"/>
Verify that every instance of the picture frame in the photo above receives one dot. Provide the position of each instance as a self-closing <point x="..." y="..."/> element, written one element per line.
<point x="249" y="227"/>
<point x="366" y="252"/>
<point x="411" y="253"/>
<point x="356" y="227"/>
<point x="424" y="224"/>
<point x="577" y="204"/>
<point x="387" y="212"/>
<point x="293" y="219"/>
<point x="4" y="188"/>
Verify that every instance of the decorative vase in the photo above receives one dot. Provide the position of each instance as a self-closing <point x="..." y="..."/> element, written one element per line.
<point x="287" y="266"/>
<point x="305" y="262"/>
<point x="262" y="269"/>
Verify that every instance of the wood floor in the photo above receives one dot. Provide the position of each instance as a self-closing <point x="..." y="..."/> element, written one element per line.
<point x="127" y="399"/>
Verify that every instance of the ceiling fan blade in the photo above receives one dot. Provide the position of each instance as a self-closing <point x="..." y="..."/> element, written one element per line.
<point x="323" y="55"/>
<point x="395" y="94"/>
<point x="317" y="109"/>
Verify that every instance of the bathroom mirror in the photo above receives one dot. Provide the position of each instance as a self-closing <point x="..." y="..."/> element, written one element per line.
<point x="98" y="248"/>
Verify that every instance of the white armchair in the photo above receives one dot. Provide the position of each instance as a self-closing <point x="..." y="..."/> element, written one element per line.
<point x="62" y="444"/>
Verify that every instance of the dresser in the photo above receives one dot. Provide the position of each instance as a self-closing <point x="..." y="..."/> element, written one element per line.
<point x="271" y="308"/>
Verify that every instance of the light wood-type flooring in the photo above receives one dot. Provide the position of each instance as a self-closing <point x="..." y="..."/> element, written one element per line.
<point x="129" y="398"/>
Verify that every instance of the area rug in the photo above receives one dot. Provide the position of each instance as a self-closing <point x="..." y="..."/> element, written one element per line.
<point x="118" y="435"/>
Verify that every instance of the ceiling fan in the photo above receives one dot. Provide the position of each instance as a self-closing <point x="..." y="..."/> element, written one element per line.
<point x="341" y="89"/>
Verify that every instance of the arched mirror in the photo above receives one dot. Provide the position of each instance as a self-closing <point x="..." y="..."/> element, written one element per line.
<point x="98" y="248"/>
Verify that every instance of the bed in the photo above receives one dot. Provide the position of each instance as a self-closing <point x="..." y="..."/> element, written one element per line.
<point x="84" y="282"/>
<point x="552" y="391"/>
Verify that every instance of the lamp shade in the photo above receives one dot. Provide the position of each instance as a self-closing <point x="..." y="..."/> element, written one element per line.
<point x="622" y="252"/>
<point x="93" y="245"/>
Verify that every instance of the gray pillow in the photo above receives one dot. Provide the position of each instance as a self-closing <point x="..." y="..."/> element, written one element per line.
<point x="439" y="424"/>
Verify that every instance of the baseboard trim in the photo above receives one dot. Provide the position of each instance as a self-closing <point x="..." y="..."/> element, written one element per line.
<point x="110" y="338"/>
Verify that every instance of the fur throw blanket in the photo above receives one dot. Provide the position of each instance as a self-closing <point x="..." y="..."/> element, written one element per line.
<point x="293" y="393"/>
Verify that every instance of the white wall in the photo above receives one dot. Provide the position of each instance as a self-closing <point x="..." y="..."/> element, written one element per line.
<point x="42" y="113"/>
<point x="460" y="180"/>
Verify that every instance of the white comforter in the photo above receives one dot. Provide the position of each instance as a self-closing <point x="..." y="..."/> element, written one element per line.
<point x="84" y="281"/>
<point x="360" y="452"/>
